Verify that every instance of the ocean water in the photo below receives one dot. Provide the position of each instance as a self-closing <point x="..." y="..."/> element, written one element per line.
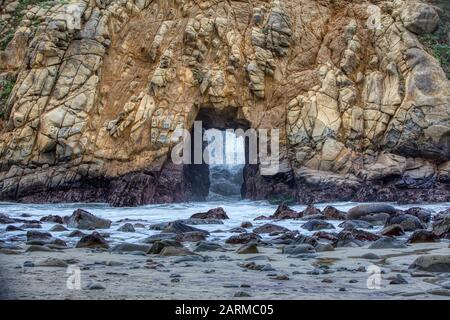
<point x="237" y="210"/>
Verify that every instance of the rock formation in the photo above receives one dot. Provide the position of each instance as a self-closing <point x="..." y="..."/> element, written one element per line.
<point x="100" y="86"/>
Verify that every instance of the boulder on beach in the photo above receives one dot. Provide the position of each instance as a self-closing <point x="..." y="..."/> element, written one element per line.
<point x="269" y="228"/>
<point x="420" y="236"/>
<point x="369" y="209"/>
<point x="53" y="219"/>
<point x="130" y="247"/>
<point x="243" y="238"/>
<point x="298" y="249"/>
<point x="387" y="243"/>
<point x="192" y="236"/>
<point x="311" y="211"/>
<point x="158" y="246"/>
<point x="407" y="221"/>
<point x="331" y="213"/>
<point x="424" y="215"/>
<point x="176" y="251"/>
<point x="208" y="246"/>
<point x="315" y="224"/>
<point x="432" y="263"/>
<point x="248" y="248"/>
<point x="94" y="240"/>
<point x="355" y="224"/>
<point x="441" y="225"/>
<point x="179" y="227"/>
<point x="216" y="213"/>
<point x="127" y="227"/>
<point x="81" y="219"/>
<point x="58" y="228"/>
<point x="393" y="230"/>
<point x="284" y="212"/>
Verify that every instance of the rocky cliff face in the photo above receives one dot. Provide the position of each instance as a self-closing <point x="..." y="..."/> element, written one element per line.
<point x="95" y="89"/>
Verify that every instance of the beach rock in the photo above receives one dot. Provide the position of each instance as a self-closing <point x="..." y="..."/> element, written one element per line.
<point x="441" y="225"/>
<point x="216" y="213"/>
<point x="51" y="262"/>
<point x="311" y="211"/>
<point x="208" y="246"/>
<point x="81" y="219"/>
<point x="11" y="228"/>
<point x="331" y="213"/>
<point x="249" y="248"/>
<point x="130" y="247"/>
<point x="127" y="227"/>
<point x="370" y="256"/>
<point x="31" y="226"/>
<point x="407" y="221"/>
<point x="95" y="286"/>
<point x="364" y="235"/>
<point x="34" y="248"/>
<point x="243" y="238"/>
<point x="313" y="225"/>
<point x="241" y="294"/>
<point x="159" y="237"/>
<point x="355" y="224"/>
<point x="284" y="212"/>
<point x="58" y="228"/>
<point x="387" y="243"/>
<point x="176" y="251"/>
<point x="325" y="235"/>
<point x="246" y="224"/>
<point x="178" y="227"/>
<point x="398" y="280"/>
<point x="432" y="263"/>
<point x="269" y="228"/>
<point x="393" y="230"/>
<point x="364" y="210"/>
<point x="94" y="240"/>
<point x="298" y="249"/>
<point x="37" y="235"/>
<point x="194" y="222"/>
<point x="5" y="219"/>
<point x="324" y="247"/>
<point x="52" y="219"/>
<point x="193" y="236"/>
<point x="258" y="218"/>
<point x="346" y="239"/>
<point x="237" y="230"/>
<point x="420" y="236"/>
<point x="76" y="234"/>
<point x="424" y="215"/>
<point x="419" y="18"/>
<point x="158" y="246"/>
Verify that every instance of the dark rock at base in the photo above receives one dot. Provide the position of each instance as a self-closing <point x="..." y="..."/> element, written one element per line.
<point x="387" y="243"/>
<point x="208" y="246"/>
<point x="81" y="219"/>
<point x="407" y="221"/>
<point x="370" y="256"/>
<point x="314" y="217"/>
<point x="193" y="236"/>
<point x="216" y="213"/>
<point x="237" y="230"/>
<point x="331" y="213"/>
<point x="52" y="219"/>
<point x="51" y="262"/>
<point x="313" y="225"/>
<point x="158" y="246"/>
<point x="324" y="247"/>
<point x="249" y="248"/>
<point x="364" y="235"/>
<point x="355" y="224"/>
<point x="241" y="294"/>
<point x="76" y="234"/>
<point x="261" y="218"/>
<point x="178" y="227"/>
<point x="243" y="238"/>
<point x="376" y="218"/>
<point x="246" y="224"/>
<point x="94" y="240"/>
<point x="432" y="263"/>
<point x="127" y="227"/>
<point x="424" y="215"/>
<point x="11" y="227"/>
<point x="366" y="209"/>
<point x="35" y="248"/>
<point x="194" y="222"/>
<point x="346" y="239"/>
<point x="130" y="247"/>
<point x="394" y="230"/>
<point x="58" y="228"/>
<point x="284" y="212"/>
<point x="269" y="228"/>
<point x="420" y="236"/>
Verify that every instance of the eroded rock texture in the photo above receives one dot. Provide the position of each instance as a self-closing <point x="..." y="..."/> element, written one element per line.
<point x="101" y="85"/>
